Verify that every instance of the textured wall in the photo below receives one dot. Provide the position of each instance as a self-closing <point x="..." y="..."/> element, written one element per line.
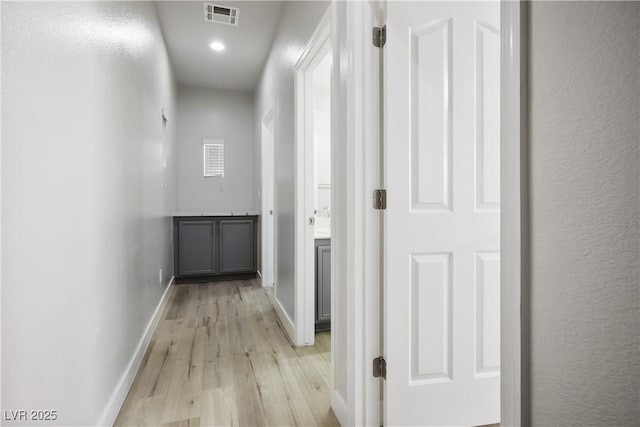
<point x="585" y="194"/>
<point x="88" y="182"/>
<point x="228" y="115"/>
<point x="297" y="24"/>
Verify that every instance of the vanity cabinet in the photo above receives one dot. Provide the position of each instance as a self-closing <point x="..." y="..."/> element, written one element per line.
<point x="215" y="246"/>
<point x="323" y="284"/>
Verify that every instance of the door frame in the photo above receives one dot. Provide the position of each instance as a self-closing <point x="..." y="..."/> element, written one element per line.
<point x="514" y="219"/>
<point x="356" y="158"/>
<point x="268" y="122"/>
<point x="317" y="47"/>
<point x="354" y="91"/>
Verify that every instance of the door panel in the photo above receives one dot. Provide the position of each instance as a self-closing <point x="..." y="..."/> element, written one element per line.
<point x="196" y="247"/>
<point x="442" y="256"/>
<point x="236" y="246"/>
<point x="431" y="122"/>
<point x="487" y="112"/>
<point x="323" y="281"/>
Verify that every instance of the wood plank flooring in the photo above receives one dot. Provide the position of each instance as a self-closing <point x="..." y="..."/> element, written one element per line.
<point x="218" y="358"/>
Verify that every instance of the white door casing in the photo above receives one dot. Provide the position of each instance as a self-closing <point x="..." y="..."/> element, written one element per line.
<point x="442" y="223"/>
<point x="268" y="199"/>
<point x="317" y="48"/>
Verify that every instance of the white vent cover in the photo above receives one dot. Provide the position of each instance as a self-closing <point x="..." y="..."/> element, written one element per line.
<point x="221" y="14"/>
<point x="213" y="153"/>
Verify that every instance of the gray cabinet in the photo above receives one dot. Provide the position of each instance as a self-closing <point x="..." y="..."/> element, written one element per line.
<point x="213" y="246"/>
<point x="236" y="246"/>
<point x="197" y="250"/>
<point x="323" y="284"/>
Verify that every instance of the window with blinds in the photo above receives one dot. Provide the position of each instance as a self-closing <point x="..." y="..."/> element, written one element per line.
<point x="213" y="150"/>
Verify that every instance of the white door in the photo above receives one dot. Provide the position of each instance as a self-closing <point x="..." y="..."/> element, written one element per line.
<point x="268" y="199"/>
<point x="442" y="254"/>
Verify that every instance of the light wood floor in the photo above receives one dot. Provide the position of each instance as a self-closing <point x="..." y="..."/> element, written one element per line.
<point x="219" y="357"/>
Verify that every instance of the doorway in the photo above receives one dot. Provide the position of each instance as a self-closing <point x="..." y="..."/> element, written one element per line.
<point x="313" y="186"/>
<point x="441" y="80"/>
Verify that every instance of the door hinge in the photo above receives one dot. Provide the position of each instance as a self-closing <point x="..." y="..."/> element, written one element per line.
<point x="379" y="36"/>
<point x="380" y="199"/>
<point x="380" y="368"/>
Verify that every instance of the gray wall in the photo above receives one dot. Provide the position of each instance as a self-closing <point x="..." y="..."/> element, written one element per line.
<point x="585" y="195"/>
<point x="228" y="115"/>
<point x="297" y="24"/>
<point x="88" y="180"/>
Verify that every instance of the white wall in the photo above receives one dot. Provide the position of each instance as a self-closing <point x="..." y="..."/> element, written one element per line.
<point x="86" y="198"/>
<point x="585" y="195"/>
<point x="297" y="24"/>
<point x="218" y="114"/>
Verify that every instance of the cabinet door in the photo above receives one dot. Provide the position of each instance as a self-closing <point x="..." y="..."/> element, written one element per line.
<point x="323" y="286"/>
<point x="237" y="246"/>
<point x="196" y="251"/>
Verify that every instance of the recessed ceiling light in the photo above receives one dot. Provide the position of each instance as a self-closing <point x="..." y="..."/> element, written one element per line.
<point x="217" y="46"/>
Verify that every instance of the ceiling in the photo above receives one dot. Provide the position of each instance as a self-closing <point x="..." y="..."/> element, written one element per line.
<point x="187" y="36"/>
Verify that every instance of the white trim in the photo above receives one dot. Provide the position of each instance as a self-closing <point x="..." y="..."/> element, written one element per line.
<point x="356" y="209"/>
<point x="269" y="117"/>
<point x="318" y="45"/>
<point x="285" y="320"/>
<point x="357" y="252"/>
<point x="339" y="408"/>
<point x="113" y="406"/>
<point x="514" y="242"/>
<point x="367" y="238"/>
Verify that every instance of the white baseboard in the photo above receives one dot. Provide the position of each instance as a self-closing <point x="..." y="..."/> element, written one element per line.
<point x="259" y="277"/>
<point x="339" y="408"/>
<point x="285" y="321"/>
<point x="111" y="410"/>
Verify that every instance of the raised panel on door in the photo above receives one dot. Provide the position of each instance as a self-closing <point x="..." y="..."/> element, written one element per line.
<point x="442" y="222"/>
<point x="487" y="301"/>
<point x="196" y="252"/>
<point x="237" y="253"/>
<point x="431" y="317"/>
<point x="323" y="283"/>
<point x="487" y="116"/>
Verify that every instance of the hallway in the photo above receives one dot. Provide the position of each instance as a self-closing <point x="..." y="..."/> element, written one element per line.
<point x="452" y="187"/>
<point x="219" y="357"/>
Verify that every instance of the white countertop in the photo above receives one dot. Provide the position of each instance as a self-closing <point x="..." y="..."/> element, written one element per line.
<point x="322" y="234"/>
<point x="322" y="228"/>
<point x="236" y="213"/>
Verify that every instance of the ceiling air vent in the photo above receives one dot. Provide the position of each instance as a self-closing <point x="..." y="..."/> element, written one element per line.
<point x="221" y="14"/>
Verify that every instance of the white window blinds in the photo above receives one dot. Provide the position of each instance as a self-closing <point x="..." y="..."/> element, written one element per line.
<point x="213" y="152"/>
